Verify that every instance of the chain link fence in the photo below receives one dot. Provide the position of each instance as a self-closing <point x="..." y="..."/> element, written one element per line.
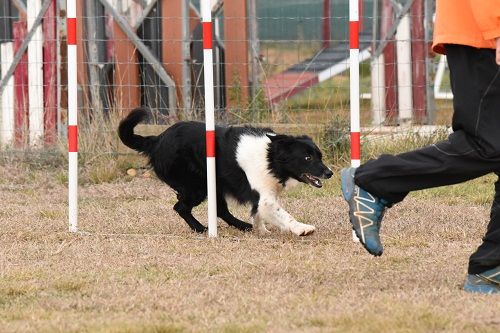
<point x="282" y="63"/>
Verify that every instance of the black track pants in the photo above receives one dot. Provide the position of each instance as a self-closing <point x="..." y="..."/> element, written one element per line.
<point x="471" y="151"/>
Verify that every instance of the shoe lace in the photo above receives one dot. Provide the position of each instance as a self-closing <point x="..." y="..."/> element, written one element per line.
<point x="376" y="207"/>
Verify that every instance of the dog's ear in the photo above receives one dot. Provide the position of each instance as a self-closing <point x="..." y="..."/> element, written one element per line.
<point x="276" y="137"/>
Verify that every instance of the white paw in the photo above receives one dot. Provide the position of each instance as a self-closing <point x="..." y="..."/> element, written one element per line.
<point x="263" y="230"/>
<point x="301" y="229"/>
<point x="259" y="226"/>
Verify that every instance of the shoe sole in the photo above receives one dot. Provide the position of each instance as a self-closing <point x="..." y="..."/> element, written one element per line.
<point x="481" y="289"/>
<point x="344" y="176"/>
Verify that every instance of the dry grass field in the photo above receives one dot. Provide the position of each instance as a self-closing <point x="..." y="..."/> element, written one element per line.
<point x="141" y="270"/>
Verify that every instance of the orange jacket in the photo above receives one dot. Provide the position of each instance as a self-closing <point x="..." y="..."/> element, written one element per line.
<point x="474" y="23"/>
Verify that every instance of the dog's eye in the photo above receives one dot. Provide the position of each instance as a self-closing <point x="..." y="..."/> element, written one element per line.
<point x="308" y="158"/>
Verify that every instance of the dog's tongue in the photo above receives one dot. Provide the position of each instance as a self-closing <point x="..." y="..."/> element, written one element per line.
<point x="317" y="182"/>
<point x="314" y="181"/>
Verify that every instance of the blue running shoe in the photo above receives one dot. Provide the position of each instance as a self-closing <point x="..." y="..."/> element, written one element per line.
<point x="365" y="212"/>
<point x="485" y="283"/>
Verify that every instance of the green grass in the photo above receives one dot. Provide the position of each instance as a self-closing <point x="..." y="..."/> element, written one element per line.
<point x="50" y="214"/>
<point x="121" y="327"/>
<point x="477" y="191"/>
<point x="407" y="318"/>
<point x="69" y="285"/>
<point x="332" y="93"/>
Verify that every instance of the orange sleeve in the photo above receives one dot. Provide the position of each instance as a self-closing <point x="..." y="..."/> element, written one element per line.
<point x="487" y="16"/>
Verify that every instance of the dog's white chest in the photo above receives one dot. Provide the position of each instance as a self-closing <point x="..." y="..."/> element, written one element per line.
<point x="251" y="155"/>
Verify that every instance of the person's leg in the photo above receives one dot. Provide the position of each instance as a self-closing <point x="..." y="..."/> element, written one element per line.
<point x="484" y="265"/>
<point x="471" y="151"/>
<point x="487" y="256"/>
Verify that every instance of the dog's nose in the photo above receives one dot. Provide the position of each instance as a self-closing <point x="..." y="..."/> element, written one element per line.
<point x="328" y="173"/>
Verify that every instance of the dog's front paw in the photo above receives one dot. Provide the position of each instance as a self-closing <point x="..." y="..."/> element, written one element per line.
<point x="259" y="225"/>
<point x="263" y="230"/>
<point x="301" y="229"/>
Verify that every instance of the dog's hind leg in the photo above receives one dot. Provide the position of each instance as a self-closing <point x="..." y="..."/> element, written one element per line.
<point x="184" y="208"/>
<point x="223" y="213"/>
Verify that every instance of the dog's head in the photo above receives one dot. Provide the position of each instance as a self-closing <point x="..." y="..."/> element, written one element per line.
<point x="298" y="158"/>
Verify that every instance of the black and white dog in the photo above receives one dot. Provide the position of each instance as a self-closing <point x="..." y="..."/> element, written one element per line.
<point x="253" y="166"/>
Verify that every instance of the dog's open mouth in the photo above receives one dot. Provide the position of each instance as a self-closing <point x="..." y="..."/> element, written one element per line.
<point x="311" y="180"/>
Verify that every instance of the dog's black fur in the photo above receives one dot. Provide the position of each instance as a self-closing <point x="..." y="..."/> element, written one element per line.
<point x="178" y="158"/>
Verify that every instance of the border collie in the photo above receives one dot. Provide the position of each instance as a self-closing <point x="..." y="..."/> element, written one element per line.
<point x="253" y="166"/>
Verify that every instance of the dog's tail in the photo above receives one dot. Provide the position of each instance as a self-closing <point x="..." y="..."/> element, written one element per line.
<point x="143" y="144"/>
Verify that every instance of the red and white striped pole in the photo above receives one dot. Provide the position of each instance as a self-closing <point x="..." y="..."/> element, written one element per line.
<point x="354" y="82"/>
<point x="206" y="17"/>
<point x="354" y="86"/>
<point x="72" y="118"/>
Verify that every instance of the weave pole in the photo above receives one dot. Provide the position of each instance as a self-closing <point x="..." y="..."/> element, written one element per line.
<point x="354" y="86"/>
<point x="354" y="82"/>
<point x="206" y="18"/>
<point x="72" y="118"/>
